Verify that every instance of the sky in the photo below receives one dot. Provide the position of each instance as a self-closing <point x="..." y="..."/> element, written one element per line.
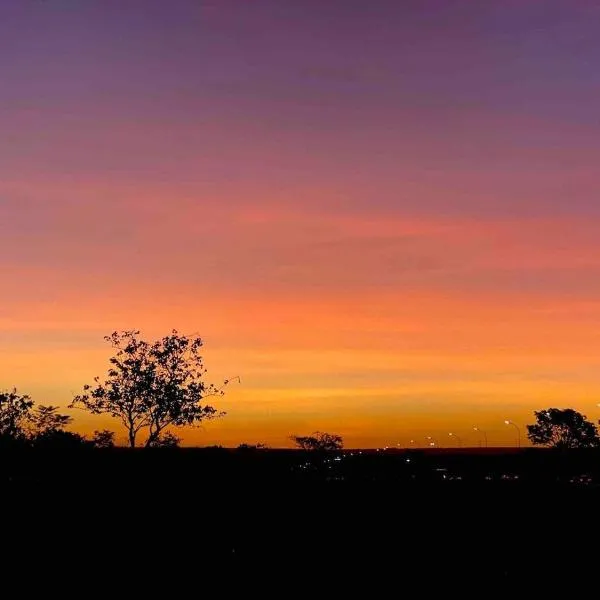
<point x="383" y="216"/>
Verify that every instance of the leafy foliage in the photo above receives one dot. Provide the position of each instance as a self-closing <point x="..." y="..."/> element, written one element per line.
<point x="15" y="413"/>
<point x="319" y="441"/>
<point x="562" y="428"/>
<point x="152" y="385"/>
<point x="58" y="439"/>
<point x="23" y="422"/>
<point x="45" y="420"/>
<point x="166" y="440"/>
<point x="103" y="439"/>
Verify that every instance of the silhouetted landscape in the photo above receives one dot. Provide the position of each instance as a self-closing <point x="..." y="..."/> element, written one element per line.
<point x="474" y="515"/>
<point x="312" y="512"/>
<point x="379" y="219"/>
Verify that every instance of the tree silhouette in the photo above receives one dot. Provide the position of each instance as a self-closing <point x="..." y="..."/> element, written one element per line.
<point x="47" y="429"/>
<point x="59" y="439"/>
<point x="562" y="428"/>
<point x="166" y="440"/>
<point x="319" y="441"/>
<point x="45" y="420"/>
<point x="21" y="420"/>
<point x="249" y="447"/>
<point x="15" y="413"/>
<point x="103" y="439"/>
<point x="152" y="385"/>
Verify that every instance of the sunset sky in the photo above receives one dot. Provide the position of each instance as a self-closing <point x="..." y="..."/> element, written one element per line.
<point x="383" y="215"/>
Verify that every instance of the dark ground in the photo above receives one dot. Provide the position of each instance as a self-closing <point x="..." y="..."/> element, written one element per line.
<point x="289" y="520"/>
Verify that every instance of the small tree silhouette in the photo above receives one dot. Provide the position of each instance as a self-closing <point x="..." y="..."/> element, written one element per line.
<point x="46" y="420"/>
<point x="47" y="429"/>
<point x="22" y="421"/>
<point x="562" y="428"/>
<point x="15" y="414"/>
<point x="103" y="439"/>
<point x="319" y="441"/>
<point x="250" y="447"/>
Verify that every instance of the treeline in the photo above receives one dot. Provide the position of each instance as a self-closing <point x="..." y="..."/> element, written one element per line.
<point x="22" y="423"/>
<point x="153" y="388"/>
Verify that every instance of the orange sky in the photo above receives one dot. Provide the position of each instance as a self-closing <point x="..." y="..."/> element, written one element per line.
<point x="384" y="219"/>
<point x="402" y="354"/>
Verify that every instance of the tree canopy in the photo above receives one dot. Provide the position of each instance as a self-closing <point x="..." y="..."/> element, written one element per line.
<point x="24" y="422"/>
<point x="319" y="441"/>
<point x="562" y="428"/>
<point x="46" y="420"/>
<point x="103" y="439"/>
<point x="152" y="385"/>
<point x="15" y="414"/>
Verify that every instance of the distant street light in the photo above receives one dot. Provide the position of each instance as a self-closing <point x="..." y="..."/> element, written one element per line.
<point x="457" y="439"/>
<point x="509" y="422"/>
<point x="432" y="441"/>
<point x="475" y="428"/>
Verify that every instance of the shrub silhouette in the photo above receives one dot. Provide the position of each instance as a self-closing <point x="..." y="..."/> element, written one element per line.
<point x="319" y="441"/>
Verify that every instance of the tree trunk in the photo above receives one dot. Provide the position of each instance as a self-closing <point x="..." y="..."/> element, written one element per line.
<point x="152" y="438"/>
<point x="153" y="434"/>
<point x="132" y="439"/>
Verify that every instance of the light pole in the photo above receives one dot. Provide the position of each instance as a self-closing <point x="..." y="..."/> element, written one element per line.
<point x="509" y="422"/>
<point x="457" y="439"/>
<point x="475" y="428"/>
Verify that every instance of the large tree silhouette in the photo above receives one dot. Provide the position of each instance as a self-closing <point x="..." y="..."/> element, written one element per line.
<point x="562" y="428"/>
<point x="152" y="386"/>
